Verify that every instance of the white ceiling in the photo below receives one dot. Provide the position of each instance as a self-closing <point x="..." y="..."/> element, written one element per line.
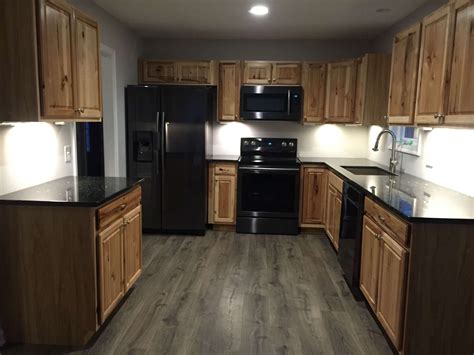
<point x="288" y="19"/>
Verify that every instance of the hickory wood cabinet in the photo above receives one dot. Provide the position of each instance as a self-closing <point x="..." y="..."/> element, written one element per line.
<point x="314" y="86"/>
<point x="321" y="201"/>
<point x="334" y="208"/>
<point x="269" y="73"/>
<point x="384" y="268"/>
<point x="230" y="79"/>
<point x="222" y="193"/>
<point x="52" y="70"/>
<point x="77" y="264"/>
<point x="313" y="196"/>
<point x="403" y="77"/>
<point x="120" y="258"/>
<point x="433" y="70"/>
<point x="202" y="72"/>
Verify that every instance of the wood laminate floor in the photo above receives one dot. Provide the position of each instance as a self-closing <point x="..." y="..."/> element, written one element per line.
<point x="238" y="294"/>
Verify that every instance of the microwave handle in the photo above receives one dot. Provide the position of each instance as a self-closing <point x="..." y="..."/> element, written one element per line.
<point x="289" y="102"/>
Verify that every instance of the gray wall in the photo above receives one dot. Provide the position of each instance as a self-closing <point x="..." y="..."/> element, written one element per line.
<point x="254" y="49"/>
<point x="127" y="46"/>
<point x="383" y="43"/>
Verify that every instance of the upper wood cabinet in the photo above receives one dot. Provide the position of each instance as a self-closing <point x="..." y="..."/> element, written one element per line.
<point x="460" y="109"/>
<point x="286" y="73"/>
<point x="433" y="70"/>
<point x="202" y="72"/>
<point x="266" y="73"/>
<point x="87" y="57"/>
<point x="373" y="76"/>
<point x="229" y="91"/>
<point x="314" y="86"/>
<point x="52" y="67"/>
<point x="313" y="196"/>
<point x="259" y="73"/>
<point x="341" y="91"/>
<point x="403" y="77"/>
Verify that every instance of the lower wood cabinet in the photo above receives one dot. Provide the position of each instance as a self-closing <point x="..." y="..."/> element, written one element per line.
<point x="313" y="196"/>
<point x="120" y="259"/>
<point x="383" y="276"/>
<point x="334" y="209"/>
<point x="222" y="193"/>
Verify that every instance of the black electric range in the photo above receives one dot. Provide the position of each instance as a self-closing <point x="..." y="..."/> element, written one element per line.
<point x="268" y="186"/>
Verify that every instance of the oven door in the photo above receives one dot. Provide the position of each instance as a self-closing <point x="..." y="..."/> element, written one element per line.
<point x="273" y="103"/>
<point x="268" y="191"/>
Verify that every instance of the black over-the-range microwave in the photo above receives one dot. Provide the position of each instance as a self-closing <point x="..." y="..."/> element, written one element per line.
<point x="271" y="103"/>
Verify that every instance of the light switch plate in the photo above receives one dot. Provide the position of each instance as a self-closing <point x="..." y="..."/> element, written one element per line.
<point x="67" y="154"/>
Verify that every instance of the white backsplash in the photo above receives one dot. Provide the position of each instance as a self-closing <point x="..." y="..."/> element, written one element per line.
<point x="446" y="157"/>
<point x="32" y="153"/>
<point x="313" y="141"/>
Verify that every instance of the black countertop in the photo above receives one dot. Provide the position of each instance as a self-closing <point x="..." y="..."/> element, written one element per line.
<point x="410" y="197"/>
<point x="72" y="191"/>
<point x="229" y="158"/>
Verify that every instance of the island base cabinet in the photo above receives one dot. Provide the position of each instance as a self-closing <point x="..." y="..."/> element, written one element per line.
<point x="120" y="260"/>
<point x="111" y="269"/>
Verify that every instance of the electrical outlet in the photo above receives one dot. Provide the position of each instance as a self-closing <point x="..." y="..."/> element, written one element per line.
<point x="67" y="154"/>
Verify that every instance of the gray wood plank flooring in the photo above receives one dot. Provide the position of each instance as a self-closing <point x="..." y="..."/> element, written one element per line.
<point x="239" y="294"/>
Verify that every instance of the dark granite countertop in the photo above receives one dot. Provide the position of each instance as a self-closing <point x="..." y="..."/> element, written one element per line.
<point x="72" y="191"/>
<point x="230" y="158"/>
<point x="412" y="198"/>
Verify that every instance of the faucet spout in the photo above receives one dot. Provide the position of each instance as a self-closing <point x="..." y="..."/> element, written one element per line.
<point x="393" y="161"/>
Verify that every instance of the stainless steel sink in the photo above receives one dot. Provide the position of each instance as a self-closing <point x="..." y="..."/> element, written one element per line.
<point x="367" y="170"/>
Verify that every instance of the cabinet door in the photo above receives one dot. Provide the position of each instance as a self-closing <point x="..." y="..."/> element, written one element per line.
<point x="257" y="73"/>
<point x="430" y="103"/>
<point x="362" y="67"/>
<point x="132" y="247"/>
<point x="461" y="89"/>
<point x="314" y="85"/>
<point x="403" y="77"/>
<point x="286" y="73"/>
<point x="194" y="72"/>
<point x="341" y="91"/>
<point x="229" y="91"/>
<point x="159" y="72"/>
<point x="330" y="213"/>
<point x="370" y="261"/>
<point x="392" y="289"/>
<point x="224" y="199"/>
<point x="57" y="53"/>
<point x="88" y="79"/>
<point x="337" y="219"/>
<point x="110" y="250"/>
<point x="313" y="195"/>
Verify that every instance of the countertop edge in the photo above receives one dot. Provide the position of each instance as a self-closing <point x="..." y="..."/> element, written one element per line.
<point x="95" y="204"/>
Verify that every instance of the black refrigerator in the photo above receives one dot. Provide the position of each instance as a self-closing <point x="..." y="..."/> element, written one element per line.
<point x="169" y="132"/>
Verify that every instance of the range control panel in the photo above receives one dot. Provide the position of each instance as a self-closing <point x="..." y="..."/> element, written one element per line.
<point x="271" y="146"/>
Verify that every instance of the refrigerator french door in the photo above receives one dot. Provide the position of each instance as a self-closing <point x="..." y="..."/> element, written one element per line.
<point x="168" y="131"/>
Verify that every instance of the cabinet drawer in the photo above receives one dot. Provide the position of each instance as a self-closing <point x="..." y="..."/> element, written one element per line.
<point x="118" y="207"/>
<point x="225" y="169"/>
<point x="388" y="221"/>
<point x="335" y="181"/>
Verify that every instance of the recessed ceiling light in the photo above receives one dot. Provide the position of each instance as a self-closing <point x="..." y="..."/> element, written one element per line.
<point x="259" y="10"/>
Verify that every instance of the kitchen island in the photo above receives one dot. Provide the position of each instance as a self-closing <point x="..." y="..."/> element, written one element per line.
<point x="71" y="250"/>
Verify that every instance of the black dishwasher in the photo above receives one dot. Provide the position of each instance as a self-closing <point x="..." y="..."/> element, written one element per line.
<point x="350" y="239"/>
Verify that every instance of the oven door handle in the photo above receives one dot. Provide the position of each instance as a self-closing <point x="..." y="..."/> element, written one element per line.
<point x="267" y="169"/>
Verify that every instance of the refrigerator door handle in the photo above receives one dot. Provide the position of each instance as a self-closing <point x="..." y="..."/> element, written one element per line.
<point x="158" y="140"/>
<point x="164" y="134"/>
